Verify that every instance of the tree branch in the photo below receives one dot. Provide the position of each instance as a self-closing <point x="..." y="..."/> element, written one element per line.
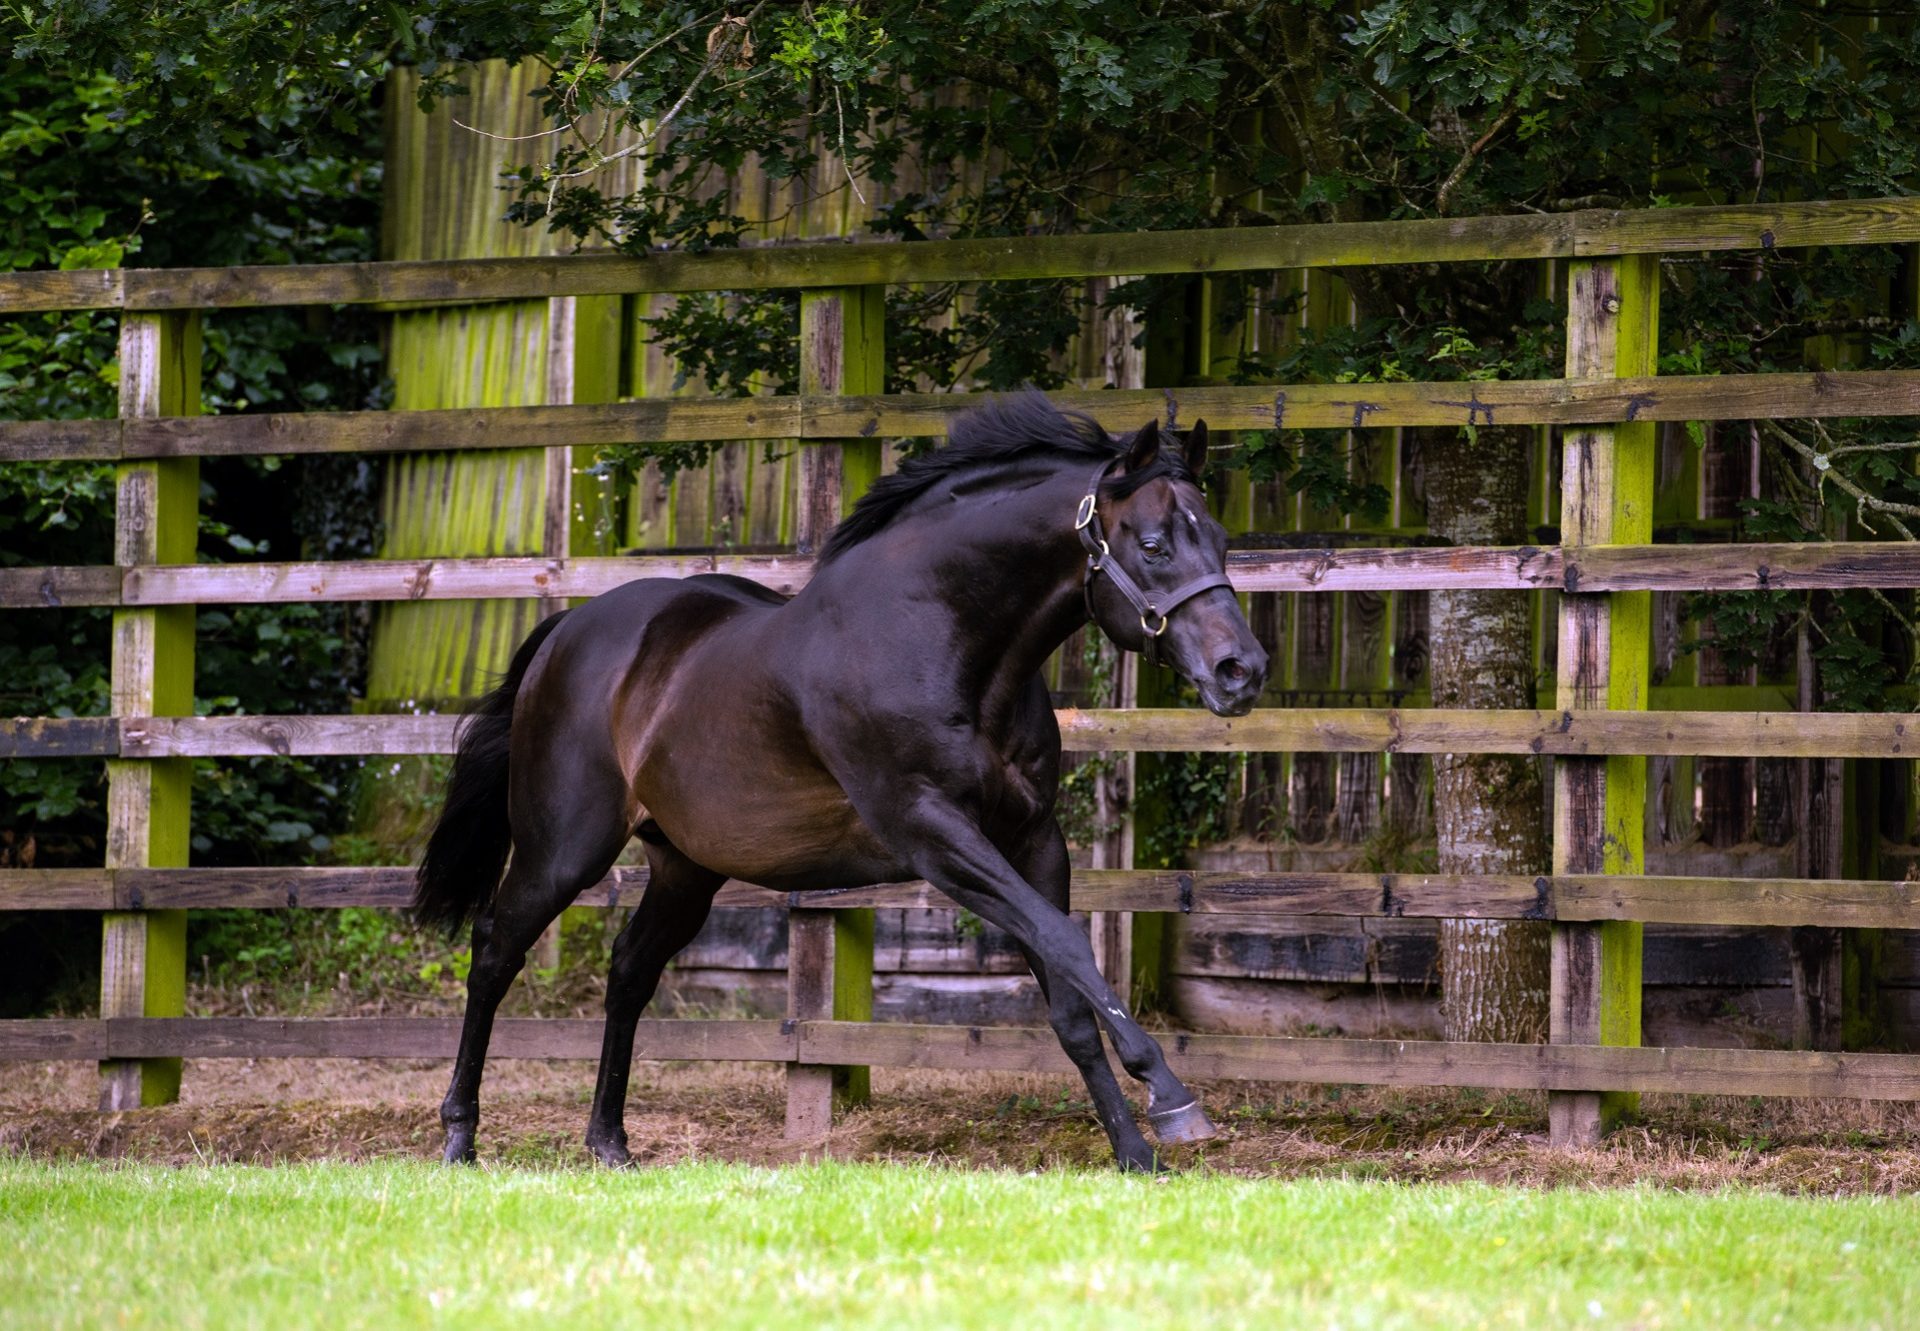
<point x="1863" y="502"/>
<point x="1454" y="177"/>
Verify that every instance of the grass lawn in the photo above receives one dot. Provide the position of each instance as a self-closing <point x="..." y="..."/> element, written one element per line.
<point x="709" y="1246"/>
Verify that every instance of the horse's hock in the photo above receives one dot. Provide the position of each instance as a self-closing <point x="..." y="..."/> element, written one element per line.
<point x="1628" y="759"/>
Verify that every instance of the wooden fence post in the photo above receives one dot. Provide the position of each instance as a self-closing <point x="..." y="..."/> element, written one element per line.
<point x="830" y="952"/>
<point x="143" y="954"/>
<point x="1599" y="804"/>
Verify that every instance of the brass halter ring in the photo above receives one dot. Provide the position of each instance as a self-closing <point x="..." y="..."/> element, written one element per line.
<point x="1149" y="631"/>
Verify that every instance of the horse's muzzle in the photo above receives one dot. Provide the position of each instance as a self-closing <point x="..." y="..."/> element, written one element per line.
<point x="1235" y="683"/>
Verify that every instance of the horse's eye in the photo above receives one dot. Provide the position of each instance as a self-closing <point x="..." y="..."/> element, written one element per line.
<point x="1150" y="545"/>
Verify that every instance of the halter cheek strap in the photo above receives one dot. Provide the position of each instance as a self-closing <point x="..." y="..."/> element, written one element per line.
<point x="1153" y="607"/>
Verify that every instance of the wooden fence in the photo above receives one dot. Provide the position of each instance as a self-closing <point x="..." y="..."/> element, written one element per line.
<point x="1604" y="568"/>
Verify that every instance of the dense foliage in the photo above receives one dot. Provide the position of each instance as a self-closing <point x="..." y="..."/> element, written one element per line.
<point x="87" y="186"/>
<point x="1013" y="117"/>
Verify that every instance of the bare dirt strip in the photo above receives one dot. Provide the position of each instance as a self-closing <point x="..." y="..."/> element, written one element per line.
<point x="533" y="1114"/>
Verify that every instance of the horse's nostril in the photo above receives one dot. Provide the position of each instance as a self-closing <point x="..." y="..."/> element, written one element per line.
<point x="1231" y="671"/>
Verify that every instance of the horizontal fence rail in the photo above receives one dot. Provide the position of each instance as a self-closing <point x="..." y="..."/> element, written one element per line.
<point x="926" y="415"/>
<point x="1720" y="567"/>
<point x="1652" y="899"/>
<point x="1517" y="1067"/>
<point x="1090" y="730"/>
<point x="1585" y="234"/>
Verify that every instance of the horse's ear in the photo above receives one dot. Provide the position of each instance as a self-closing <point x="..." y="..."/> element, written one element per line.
<point x="1145" y="447"/>
<point x="1196" y="452"/>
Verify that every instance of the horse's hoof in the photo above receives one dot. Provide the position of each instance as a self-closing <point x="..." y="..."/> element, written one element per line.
<point x="611" y="1152"/>
<point x="459" y="1149"/>
<point x="1182" y="1125"/>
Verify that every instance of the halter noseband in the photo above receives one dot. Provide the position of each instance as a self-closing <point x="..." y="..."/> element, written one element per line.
<point x="1151" y="606"/>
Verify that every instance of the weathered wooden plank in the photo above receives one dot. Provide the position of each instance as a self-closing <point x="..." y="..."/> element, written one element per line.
<point x="1325" y="729"/>
<point x="85" y="289"/>
<point x="1518" y="568"/>
<point x="813" y="265"/>
<point x="380" y="1037"/>
<point x="1655" y="899"/>
<point x="267" y="888"/>
<point x="1398" y="1062"/>
<point x="1323" y="245"/>
<point x="1759" y="226"/>
<point x="909" y="415"/>
<point x="1306" y="949"/>
<point x="56" y="889"/>
<point x="1628" y="399"/>
<point x="53" y="1038"/>
<point x="1318" y="950"/>
<point x="1350" y="894"/>
<point x="52" y="587"/>
<point x="1255" y="1007"/>
<point x="1758" y="567"/>
<point x="59" y="737"/>
<point x="932" y="942"/>
<point x="1772" y="901"/>
<point x="1016" y="1049"/>
<point x="993" y="1000"/>
<point x="285" y="736"/>
<point x="1439" y="730"/>
<point x="444" y="579"/>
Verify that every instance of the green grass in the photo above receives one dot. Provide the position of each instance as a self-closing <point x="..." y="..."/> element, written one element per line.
<point x="711" y="1246"/>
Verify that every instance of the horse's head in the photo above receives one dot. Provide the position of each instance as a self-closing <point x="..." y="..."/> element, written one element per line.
<point x="1159" y="584"/>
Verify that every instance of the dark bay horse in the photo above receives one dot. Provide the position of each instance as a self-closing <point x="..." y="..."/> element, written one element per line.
<point x="888" y="723"/>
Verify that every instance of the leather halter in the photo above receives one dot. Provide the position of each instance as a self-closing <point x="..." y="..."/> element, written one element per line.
<point x="1151" y="606"/>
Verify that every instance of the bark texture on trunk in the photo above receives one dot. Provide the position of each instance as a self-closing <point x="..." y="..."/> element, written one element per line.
<point x="1488" y="808"/>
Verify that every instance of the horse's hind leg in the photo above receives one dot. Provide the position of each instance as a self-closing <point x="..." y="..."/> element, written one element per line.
<point x="679" y="894"/>
<point x="542" y="880"/>
<point x="1043" y="862"/>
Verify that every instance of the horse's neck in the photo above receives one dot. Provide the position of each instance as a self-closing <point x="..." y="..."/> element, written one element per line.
<point x="993" y="575"/>
<point x="1018" y="554"/>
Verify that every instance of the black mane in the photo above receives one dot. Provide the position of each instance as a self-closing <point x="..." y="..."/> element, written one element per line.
<point x="1004" y="430"/>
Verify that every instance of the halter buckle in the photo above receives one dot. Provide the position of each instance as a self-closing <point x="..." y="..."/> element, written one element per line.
<point x="1085" y="513"/>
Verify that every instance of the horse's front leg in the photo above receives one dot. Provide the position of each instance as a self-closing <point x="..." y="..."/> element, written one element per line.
<point x="946" y="846"/>
<point x="1041" y="859"/>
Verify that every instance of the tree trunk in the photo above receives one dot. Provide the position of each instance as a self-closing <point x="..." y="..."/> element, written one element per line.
<point x="1488" y="808"/>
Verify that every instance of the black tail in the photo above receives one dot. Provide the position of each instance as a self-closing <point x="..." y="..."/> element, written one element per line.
<point x="470" y="842"/>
